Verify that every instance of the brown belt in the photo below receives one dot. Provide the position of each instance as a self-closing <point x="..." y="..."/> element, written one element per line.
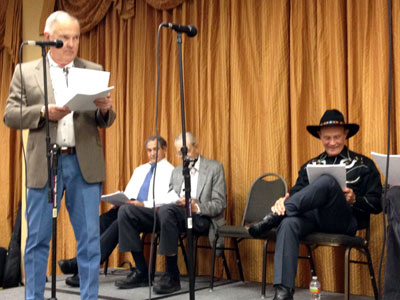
<point x="67" y="150"/>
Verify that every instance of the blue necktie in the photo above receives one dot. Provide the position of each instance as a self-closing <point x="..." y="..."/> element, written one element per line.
<point x="144" y="189"/>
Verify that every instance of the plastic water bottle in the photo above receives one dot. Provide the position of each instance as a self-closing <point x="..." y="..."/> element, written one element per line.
<point x="315" y="289"/>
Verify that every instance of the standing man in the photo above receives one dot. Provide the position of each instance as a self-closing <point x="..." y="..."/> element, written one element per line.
<point x="81" y="167"/>
<point x="208" y="202"/>
<point x="323" y="205"/>
<point x="140" y="191"/>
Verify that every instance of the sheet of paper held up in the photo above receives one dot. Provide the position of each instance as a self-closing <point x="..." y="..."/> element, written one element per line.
<point x="337" y="171"/>
<point x="394" y="167"/>
<point x="85" y="86"/>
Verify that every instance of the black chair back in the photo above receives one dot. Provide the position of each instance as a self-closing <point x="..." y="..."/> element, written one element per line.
<point x="265" y="190"/>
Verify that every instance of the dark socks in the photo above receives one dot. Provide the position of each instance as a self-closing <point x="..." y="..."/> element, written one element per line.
<point x="172" y="265"/>
<point x="140" y="261"/>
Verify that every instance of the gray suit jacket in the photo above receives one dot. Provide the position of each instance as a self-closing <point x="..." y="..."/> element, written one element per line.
<point x="88" y="144"/>
<point x="211" y="191"/>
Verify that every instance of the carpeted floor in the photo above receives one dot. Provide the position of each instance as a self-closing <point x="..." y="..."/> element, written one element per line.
<point x="223" y="290"/>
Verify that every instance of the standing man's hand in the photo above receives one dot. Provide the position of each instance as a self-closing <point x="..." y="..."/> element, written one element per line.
<point x="279" y="206"/>
<point x="56" y="113"/>
<point x="104" y="104"/>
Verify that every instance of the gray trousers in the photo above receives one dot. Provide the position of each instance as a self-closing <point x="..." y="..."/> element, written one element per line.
<point x="170" y="222"/>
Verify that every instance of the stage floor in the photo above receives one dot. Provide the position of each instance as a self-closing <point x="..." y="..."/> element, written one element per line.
<point x="223" y="290"/>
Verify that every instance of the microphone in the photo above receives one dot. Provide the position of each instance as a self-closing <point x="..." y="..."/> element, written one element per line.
<point x="190" y="30"/>
<point x="55" y="43"/>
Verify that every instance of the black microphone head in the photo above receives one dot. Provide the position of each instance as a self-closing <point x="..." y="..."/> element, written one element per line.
<point x="193" y="31"/>
<point x="59" y="43"/>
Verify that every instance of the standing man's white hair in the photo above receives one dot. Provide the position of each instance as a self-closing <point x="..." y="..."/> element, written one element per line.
<point x="56" y="17"/>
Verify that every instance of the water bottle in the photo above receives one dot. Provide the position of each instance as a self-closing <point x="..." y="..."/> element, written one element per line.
<point x="315" y="289"/>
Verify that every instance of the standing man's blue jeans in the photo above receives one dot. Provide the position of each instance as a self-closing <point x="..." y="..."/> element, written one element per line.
<point x="82" y="201"/>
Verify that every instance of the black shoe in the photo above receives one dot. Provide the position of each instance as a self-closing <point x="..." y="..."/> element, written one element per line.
<point x="73" y="281"/>
<point x="283" y="293"/>
<point x="270" y="221"/>
<point x="68" y="266"/>
<point x="167" y="284"/>
<point x="133" y="280"/>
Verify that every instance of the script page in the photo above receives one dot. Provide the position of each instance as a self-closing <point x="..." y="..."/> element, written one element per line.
<point x="394" y="167"/>
<point x="337" y="171"/>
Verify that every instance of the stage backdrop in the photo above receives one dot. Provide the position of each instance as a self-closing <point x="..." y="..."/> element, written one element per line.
<point x="255" y="75"/>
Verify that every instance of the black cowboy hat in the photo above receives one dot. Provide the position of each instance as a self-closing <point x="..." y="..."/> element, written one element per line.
<point x="333" y="117"/>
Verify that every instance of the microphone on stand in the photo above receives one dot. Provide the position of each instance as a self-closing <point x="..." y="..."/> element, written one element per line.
<point x="55" y="43"/>
<point x="190" y="30"/>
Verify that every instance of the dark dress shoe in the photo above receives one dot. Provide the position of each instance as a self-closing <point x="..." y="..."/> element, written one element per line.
<point x="283" y="293"/>
<point x="73" y="281"/>
<point x="133" y="280"/>
<point x="68" y="266"/>
<point x="270" y="221"/>
<point x="167" y="284"/>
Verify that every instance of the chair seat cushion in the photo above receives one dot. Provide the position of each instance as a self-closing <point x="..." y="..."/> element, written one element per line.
<point x="334" y="240"/>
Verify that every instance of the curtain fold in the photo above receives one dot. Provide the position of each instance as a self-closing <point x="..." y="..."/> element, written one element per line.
<point x="255" y="75"/>
<point x="164" y="4"/>
<point x="10" y="147"/>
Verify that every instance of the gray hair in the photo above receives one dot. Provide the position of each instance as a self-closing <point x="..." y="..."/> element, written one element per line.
<point x="55" y="18"/>
<point x="190" y="138"/>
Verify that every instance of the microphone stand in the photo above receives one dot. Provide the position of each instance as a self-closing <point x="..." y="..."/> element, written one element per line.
<point x="52" y="152"/>
<point x="186" y="175"/>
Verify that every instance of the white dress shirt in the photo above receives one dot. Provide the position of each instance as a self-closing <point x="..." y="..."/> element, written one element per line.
<point x="163" y="176"/>
<point x="194" y="177"/>
<point x="65" y="128"/>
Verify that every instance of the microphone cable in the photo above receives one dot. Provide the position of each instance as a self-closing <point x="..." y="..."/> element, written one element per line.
<point x="151" y="262"/>
<point x="389" y="9"/>
<point x="22" y="93"/>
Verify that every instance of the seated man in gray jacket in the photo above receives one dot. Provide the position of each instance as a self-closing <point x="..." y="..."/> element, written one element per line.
<point x="208" y="202"/>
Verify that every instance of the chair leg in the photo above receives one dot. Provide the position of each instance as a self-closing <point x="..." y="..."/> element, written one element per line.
<point x="264" y="270"/>
<point x="311" y="261"/>
<point x="238" y="260"/>
<point x="371" y="273"/>
<point x="214" y="250"/>
<point x="228" y="274"/>
<point x="347" y="274"/>
<point x="154" y="241"/>
<point x="106" y="267"/>
<point x="184" y="253"/>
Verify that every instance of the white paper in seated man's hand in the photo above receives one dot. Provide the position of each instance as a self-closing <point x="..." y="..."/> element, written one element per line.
<point x="118" y="198"/>
<point x="394" y="167"/>
<point x="337" y="171"/>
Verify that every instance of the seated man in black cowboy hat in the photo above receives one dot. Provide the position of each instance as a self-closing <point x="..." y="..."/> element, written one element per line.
<point x="323" y="205"/>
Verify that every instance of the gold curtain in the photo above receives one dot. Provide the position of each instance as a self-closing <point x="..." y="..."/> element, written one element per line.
<point x="255" y="75"/>
<point x="10" y="158"/>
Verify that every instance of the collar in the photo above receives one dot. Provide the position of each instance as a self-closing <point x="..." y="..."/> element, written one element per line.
<point x="344" y="155"/>
<point x="52" y="63"/>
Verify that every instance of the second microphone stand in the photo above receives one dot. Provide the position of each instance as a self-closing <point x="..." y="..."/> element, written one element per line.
<point x="186" y="175"/>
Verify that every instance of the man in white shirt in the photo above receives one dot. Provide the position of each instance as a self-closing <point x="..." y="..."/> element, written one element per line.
<point x="81" y="165"/>
<point x="141" y="195"/>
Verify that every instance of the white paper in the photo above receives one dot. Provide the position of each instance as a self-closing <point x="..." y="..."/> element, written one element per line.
<point x="85" y="86"/>
<point x="87" y="81"/>
<point x="394" y="167"/>
<point x="117" y="198"/>
<point x="85" y="102"/>
<point x="337" y="171"/>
